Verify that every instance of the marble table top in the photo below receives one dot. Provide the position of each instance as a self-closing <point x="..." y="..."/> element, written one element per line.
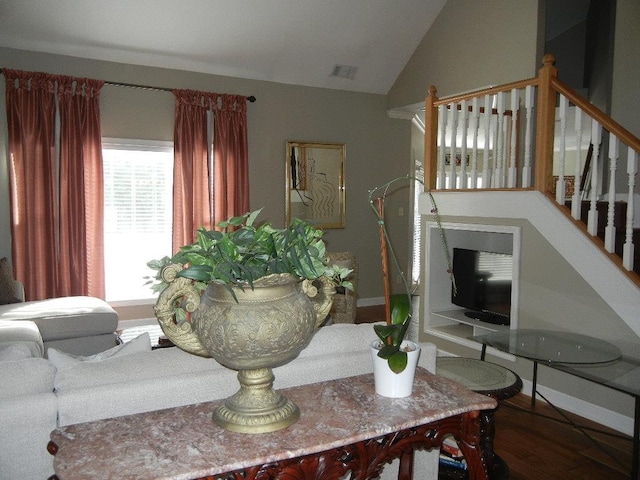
<point x="184" y="443"/>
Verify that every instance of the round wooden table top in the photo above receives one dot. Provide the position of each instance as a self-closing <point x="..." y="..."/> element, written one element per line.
<point x="480" y="376"/>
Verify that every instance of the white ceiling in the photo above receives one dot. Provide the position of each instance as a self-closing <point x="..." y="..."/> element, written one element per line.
<point x="287" y="41"/>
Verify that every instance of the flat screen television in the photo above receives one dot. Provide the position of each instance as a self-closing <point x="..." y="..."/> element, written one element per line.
<point x="483" y="285"/>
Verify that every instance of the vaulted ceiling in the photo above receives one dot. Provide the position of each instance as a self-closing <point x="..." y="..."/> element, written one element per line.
<point x="296" y="42"/>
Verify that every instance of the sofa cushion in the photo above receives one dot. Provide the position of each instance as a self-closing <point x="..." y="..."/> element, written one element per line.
<point x="7" y="283"/>
<point x="25" y="333"/>
<point x="65" y="317"/>
<point x="25" y="377"/>
<point x="62" y="360"/>
<point x="14" y="351"/>
<point x="157" y="365"/>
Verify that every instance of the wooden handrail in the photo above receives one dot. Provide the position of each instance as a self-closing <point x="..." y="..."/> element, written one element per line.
<point x="488" y="91"/>
<point x="602" y="118"/>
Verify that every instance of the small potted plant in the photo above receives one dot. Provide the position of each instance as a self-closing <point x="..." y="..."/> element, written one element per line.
<point x="241" y="294"/>
<point x="391" y="349"/>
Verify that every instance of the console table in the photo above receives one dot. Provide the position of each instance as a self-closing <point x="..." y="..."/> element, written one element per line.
<point x="344" y="427"/>
<point x="579" y="355"/>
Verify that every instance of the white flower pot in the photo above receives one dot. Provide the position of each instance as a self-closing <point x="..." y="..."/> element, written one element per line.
<point x="388" y="383"/>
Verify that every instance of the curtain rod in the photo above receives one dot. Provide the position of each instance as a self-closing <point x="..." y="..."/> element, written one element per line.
<point x="250" y="98"/>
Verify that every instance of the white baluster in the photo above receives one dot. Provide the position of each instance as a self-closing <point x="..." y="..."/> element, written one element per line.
<point x="464" y="113"/>
<point x="499" y="168"/>
<point x="628" y="249"/>
<point x="474" y="126"/>
<point x="596" y="138"/>
<point x="453" y="113"/>
<point x="486" y="178"/>
<point x="442" y="131"/>
<point x="515" y="107"/>
<point x="494" y="141"/>
<point x="610" y="229"/>
<point x="528" y="133"/>
<point x="560" y="184"/>
<point x="577" y="178"/>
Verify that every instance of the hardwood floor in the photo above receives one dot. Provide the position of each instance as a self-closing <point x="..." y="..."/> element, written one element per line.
<point x="536" y="447"/>
<point x="537" y="444"/>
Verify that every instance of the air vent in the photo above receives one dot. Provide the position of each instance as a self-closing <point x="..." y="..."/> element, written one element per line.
<point x="344" y="71"/>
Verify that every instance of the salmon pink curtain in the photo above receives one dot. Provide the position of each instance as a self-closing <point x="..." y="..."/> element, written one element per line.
<point x="208" y="188"/>
<point x="56" y="200"/>
<point x="81" y="229"/>
<point x="231" y="158"/>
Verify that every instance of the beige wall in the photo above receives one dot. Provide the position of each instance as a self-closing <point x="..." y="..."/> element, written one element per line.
<point x="625" y="99"/>
<point x="378" y="148"/>
<point x="471" y="45"/>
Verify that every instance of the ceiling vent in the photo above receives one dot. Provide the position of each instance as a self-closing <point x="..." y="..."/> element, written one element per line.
<point x="344" y="71"/>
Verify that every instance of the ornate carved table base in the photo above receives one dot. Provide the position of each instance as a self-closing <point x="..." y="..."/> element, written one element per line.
<point x="344" y="427"/>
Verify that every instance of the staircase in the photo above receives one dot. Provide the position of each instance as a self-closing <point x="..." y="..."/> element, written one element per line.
<point x="539" y="134"/>
<point x="619" y="222"/>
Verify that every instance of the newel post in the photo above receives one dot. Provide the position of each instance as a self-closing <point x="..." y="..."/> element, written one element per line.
<point x="545" y="126"/>
<point x="430" y="140"/>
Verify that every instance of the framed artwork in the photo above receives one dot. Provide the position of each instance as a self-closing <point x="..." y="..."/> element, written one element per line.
<point x="315" y="184"/>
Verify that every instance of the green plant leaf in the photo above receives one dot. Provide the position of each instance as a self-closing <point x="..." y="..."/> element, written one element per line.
<point x="387" y="351"/>
<point x="200" y="273"/>
<point x="251" y="217"/>
<point x="400" y="308"/>
<point x="398" y="361"/>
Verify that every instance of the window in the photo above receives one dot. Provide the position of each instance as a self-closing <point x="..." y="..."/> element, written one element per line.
<point x="417" y="224"/>
<point x="138" y="184"/>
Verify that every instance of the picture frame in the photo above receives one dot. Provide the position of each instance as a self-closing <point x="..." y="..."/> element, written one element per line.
<point x="315" y="183"/>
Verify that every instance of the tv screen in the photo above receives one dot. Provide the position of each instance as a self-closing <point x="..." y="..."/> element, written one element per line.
<point x="483" y="281"/>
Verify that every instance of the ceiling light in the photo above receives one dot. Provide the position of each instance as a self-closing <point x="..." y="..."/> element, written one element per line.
<point x="344" y="71"/>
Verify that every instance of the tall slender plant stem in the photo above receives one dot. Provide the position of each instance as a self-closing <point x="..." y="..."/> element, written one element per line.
<point x="385" y="262"/>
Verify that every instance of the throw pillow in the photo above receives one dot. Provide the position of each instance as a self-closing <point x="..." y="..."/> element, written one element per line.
<point x="61" y="360"/>
<point x="7" y="283"/>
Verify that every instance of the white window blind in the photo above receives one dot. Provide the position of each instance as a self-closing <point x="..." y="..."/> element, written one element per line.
<point x="417" y="223"/>
<point x="138" y="184"/>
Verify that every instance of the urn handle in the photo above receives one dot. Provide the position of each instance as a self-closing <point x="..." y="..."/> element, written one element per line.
<point x="179" y="288"/>
<point x="322" y="300"/>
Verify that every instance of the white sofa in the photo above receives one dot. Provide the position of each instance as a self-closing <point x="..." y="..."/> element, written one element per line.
<point x="80" y="325"/>
<point x="36" y="397"/>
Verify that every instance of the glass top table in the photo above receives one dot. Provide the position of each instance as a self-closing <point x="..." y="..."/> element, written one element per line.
<point x="586" y="357"/>
<point x="552" y="347"/>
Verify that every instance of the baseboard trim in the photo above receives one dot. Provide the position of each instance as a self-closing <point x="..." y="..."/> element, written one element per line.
<point x="590" y="411"/>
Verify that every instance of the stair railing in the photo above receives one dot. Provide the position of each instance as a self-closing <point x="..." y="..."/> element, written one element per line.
<point x="535" y="134"/>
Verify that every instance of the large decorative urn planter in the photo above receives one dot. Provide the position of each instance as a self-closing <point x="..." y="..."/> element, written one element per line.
<point x="251" y="330"/>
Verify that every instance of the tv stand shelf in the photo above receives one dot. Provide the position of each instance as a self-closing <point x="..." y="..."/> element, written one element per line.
<point x="458" y="315"/>
<point x="440" y="316"/>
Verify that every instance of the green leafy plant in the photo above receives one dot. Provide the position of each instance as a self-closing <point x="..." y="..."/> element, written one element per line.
<point x="240" y="251"/>
<point x="393" y="333"/>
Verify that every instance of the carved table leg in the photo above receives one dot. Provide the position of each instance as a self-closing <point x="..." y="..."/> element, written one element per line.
<point x="405" y="470"/>
<point x="52" y="448"/>
<point x="470" y="443"/>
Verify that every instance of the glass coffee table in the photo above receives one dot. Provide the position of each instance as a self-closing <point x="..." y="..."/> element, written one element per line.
<point x="582" y="356"/>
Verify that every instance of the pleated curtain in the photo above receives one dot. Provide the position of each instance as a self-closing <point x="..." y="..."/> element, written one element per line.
<point x="56" y="184"/>
<point x="211" y="173"/>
